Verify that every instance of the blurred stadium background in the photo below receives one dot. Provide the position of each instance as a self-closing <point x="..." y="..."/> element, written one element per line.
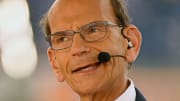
<point x="156" y="71"/>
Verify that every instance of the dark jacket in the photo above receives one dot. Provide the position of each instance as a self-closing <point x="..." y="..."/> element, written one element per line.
<point x="139" y="96"/>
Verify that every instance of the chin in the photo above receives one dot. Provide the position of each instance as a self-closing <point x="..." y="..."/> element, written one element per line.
<point x="86" y="91"/>
<point x="88" y="88"/>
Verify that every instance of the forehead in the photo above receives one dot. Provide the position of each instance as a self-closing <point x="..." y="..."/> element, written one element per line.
<point x="65" y="14"/>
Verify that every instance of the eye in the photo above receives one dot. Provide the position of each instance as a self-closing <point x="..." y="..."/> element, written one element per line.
<point x="62" y="39"/>
<point x="94" y="29"/>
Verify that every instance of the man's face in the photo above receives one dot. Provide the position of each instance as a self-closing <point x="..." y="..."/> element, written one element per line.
<point x="78" y="65"/>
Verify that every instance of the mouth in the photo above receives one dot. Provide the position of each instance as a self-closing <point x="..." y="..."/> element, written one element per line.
<point x="86" y="68"/>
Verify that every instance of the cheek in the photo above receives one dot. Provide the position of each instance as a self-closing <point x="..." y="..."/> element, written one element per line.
<point x="112" y="44"/>
<point x="117" y="43"/>
<point x="117" y="69"/>
<point x="62" y="62"/>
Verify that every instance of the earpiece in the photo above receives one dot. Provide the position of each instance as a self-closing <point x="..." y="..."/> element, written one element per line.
<point x="130" y="45"/>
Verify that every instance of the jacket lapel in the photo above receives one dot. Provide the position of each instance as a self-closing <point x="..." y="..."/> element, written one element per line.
<point x="139" y="96"/>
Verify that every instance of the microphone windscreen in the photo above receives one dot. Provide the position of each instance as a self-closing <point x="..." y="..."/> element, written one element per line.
<point x="104" y="57"/>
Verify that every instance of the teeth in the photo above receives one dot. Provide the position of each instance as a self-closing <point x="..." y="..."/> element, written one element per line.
<point x="88" y="68"/>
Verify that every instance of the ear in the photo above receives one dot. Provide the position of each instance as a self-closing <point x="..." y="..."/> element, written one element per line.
<point x="54" y="65"/>
<point x="132" y="34"/>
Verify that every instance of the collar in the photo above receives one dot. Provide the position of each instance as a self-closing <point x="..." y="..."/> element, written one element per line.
<point x="129" y="94"/>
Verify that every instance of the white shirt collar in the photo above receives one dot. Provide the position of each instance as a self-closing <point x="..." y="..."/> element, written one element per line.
<point x="129" y="94"/>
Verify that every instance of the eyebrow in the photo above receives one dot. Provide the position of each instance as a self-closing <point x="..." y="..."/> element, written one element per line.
<point x="89" y="24"/>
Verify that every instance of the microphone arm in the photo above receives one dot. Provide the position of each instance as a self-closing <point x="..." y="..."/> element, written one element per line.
<point x="105" y="57"/>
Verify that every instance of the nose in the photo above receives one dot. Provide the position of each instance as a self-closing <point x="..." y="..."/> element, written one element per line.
<point x="79" y="46"/>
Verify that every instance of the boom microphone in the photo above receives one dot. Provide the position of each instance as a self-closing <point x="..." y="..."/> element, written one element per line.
<point x="105" y="57"/>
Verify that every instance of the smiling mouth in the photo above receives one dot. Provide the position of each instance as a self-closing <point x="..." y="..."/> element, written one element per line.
<point x="86" y="68"/>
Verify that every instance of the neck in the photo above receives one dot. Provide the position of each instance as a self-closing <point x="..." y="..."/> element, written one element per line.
<point x="108" y="94"/>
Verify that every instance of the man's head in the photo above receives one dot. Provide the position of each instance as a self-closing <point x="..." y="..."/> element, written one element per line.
<point x="78" y="30"/>
<point x="118" y="6"/>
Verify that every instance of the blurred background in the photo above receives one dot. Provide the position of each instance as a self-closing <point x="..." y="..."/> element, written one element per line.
<point x="25" y="73"/>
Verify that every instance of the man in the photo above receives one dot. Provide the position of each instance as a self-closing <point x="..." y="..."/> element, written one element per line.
<point x="92" y="45"/>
